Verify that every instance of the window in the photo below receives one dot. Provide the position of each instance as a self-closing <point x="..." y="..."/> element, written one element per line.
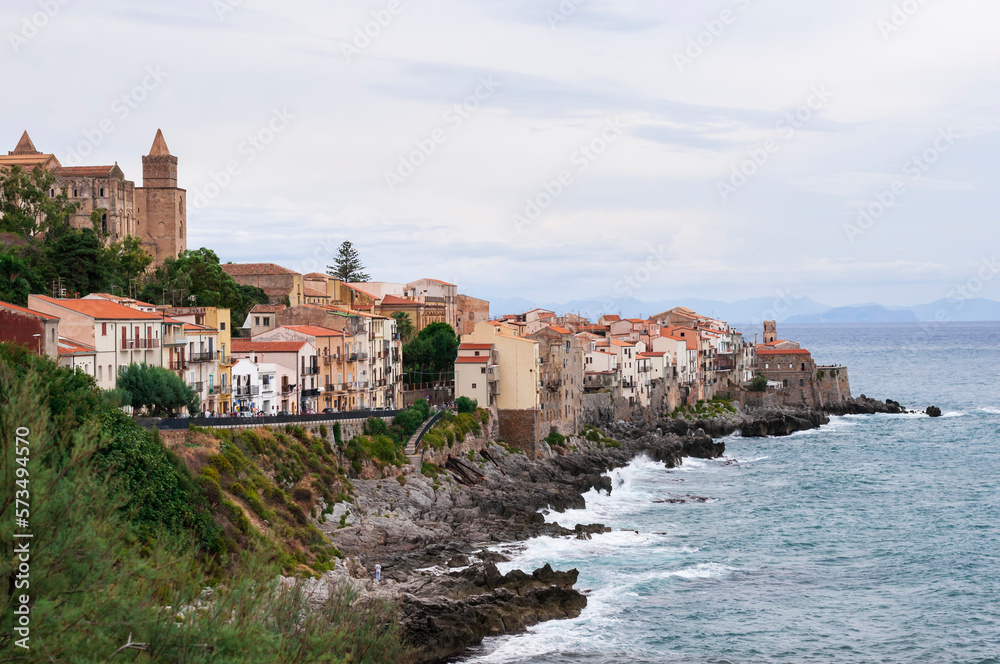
<point x="482" y="370"/>
<point x="803" y="366"/>
<point x="104" y="329"/>
<point x="100" y="372"/>
<point x="102" y="191"/>
<point x="802" y="382"/>
<point x="477" y="353"/>
<point x="767" y="365"/>
<point x="222" y="325"/>
<point x="267" y="320"/>
<point x="75" y="193"/>
<point x="256" y="320"/>
<point x="473" y="386"/>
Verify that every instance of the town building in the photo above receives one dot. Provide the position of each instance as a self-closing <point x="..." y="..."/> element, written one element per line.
<point x="282" y="286"/>
<point x="119" y="335"/>
<point x="477" y="373"/>
<point x="436" y="291"/>
<point x="470" y="312"/>
<point x="35" y="330"/>
<point x="297" y="371"/>
<point x="561" y="379"/>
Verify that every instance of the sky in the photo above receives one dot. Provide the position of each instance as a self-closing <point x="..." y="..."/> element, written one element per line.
<point x="548" y="149"/>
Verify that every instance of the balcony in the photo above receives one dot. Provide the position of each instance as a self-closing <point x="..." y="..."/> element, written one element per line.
<point x="330" y="359"/>
<point x="205" y="356"/>
<point x="220" y="389"/>
<point x="310" y="370"/>
<point x="226" y="359"/>
<point x="140" y="344"/>
<point x="197" y="387"/>
<point x="308" y="394"/>
<point x="362" y="357"/>
<point x="246" y="391"/>
<point x="645" y="368"/>
<point x="178" y="365"/>
<point x="286" y="390"/>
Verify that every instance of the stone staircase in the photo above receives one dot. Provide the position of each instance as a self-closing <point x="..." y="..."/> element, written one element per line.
<point x="410" y="450"/>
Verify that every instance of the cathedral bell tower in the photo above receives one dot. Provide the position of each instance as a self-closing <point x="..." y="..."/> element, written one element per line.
<point x="160" y="207"/>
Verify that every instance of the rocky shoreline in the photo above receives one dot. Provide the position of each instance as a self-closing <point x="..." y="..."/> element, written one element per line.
<point x="431" y="533"/>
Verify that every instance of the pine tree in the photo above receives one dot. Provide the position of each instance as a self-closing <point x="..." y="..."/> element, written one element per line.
<point x="347" y="265"/>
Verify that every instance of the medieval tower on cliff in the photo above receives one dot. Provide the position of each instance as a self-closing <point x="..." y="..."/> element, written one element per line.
<point x="160" y="206"/>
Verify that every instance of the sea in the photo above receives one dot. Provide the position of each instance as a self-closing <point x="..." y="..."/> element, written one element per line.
<point x="873" y="539"/>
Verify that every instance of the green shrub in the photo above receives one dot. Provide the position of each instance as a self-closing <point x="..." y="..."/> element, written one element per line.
<point x="758" y="384"/>
<point x="466" y="405"/>
<point x="322" y="431"/>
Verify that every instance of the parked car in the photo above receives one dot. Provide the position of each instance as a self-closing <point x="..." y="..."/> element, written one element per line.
<point x="330" y="411"/>
<point x="284" y="413"/>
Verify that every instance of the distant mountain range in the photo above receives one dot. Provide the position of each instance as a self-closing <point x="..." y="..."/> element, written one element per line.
<point x="755" y="310"/>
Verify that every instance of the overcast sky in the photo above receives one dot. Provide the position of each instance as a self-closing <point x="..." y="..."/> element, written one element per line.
<point x="646" y="110"/>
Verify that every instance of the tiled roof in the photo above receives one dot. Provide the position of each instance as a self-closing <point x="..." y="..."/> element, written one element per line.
<point x="560" y="329"/>
<point x="443" y="283"/>
<point x="315" y="330"/>
<point x="246" y="346"/>
<point x="84" y="171"/>
<point x="475" y="346"/>
<point x="7" y="305"/>
<point x="395" y="301"/>
<point x="624" y="344"/>
<point x="101" y="309"/>
<point x="267" y="308"/>
<point x="775" y="343"/>
<point x="612" y="318"/>
<point x="67" y="347"/>
<point x="651" y="354"/>
<point x="789" y="351"/>
<point x="472" y="360"/>
<point x="251" y="269"/>
<point x="317" y="275"/>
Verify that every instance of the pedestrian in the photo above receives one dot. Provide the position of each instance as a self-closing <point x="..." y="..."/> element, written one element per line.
<point x="378" y="572"/>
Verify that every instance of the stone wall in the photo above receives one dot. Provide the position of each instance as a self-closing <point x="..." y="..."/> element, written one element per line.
<point x="834" y="385"/>
<point x="435" y="396"/>
<point x="522" y="429"/>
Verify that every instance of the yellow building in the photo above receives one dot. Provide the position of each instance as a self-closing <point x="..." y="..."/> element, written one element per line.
<point x="518" y="360"/>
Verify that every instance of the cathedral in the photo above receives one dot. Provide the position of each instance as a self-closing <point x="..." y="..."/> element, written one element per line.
<point x="156" y="212"/>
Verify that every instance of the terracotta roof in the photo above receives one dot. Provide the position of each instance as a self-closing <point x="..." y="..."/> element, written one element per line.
<point x="101" y="309"/>
<point x="119" y="299"/>
<point x="191" y="327"/>
<point x="84" y="171"/>
<point x="394" y="301"/>
<point x="67" y="347"/>
<point x="625" y="344"/>
<point x="246" y="345"/>
<point x="789" y="351"/>
<point x="267" y="308"/>
<point x="612" y="318"/>
<point x="39" y="314"/>
<point x="651" y="354"/>
<point x="472" y="360"/>
<point x="476" y="347"/>
<point x="250" y="269"/>
<point x="314" y="330"/>
<point x="443" y="283"/>
<point x="317" y="275"/>
<point x="776" y="342"/>
<point x="559" y="329"/>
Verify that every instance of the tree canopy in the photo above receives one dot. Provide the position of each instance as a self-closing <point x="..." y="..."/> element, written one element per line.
<point x="26" y="208"/>
<point x="347" y="265"/>
<point x="431" y="353"/>
<point x="156" y="390"/>
<point x="404" y="326"/>
<point x="198" y="274"/>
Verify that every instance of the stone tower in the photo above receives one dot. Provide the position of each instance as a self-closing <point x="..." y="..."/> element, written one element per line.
<point x="770" y="331"/>
<point x="160" y="207"/>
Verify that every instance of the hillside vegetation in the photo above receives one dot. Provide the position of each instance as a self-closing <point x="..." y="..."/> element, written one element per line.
<point x="131" y="547"/>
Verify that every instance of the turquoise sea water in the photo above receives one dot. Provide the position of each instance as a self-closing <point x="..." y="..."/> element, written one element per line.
<point x="874" y="539"/>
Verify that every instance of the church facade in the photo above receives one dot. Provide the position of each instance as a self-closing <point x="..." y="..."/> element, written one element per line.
<point x="156" y="212"/>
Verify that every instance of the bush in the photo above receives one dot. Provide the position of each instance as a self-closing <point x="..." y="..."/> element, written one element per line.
<point x="466" y="405"/>
<point x="555" y="439"/>
<point x="376" y="427"/>
<point x="758" y="384"/>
